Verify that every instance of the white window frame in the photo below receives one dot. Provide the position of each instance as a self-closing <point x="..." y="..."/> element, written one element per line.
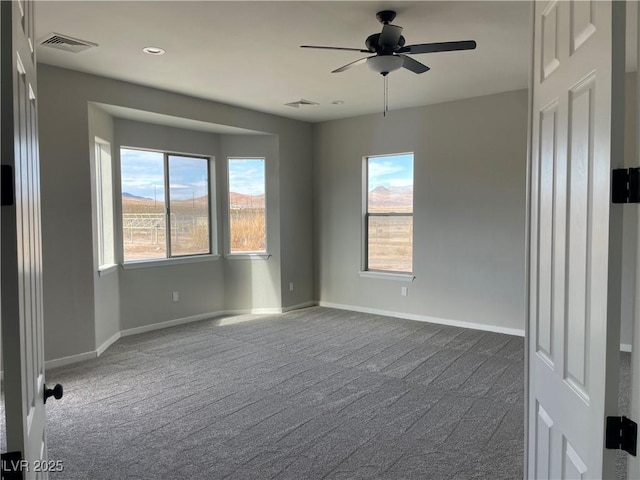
<point x="366" y="271"/>
<point x="104" y="208"/>
<point x="169" y="258"/>
<point x="260" y="255"/>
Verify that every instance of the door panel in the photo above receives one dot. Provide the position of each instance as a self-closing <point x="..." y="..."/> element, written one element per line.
<point x="20" y="247"/>
<point x="571" y="368"/>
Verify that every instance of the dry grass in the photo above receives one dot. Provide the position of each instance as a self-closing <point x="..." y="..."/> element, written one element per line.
<point x="391" y="244"/>
<point x="144" y="228"/>
<point x="248" y="230"/>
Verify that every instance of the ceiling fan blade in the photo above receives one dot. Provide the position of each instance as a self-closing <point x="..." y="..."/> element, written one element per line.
<point x="438" y="47"/>
<point x="390" y="35"/>
<point x="352" y="64"/>
<point x="414" y="65"/>
<point x="336" y="48"/>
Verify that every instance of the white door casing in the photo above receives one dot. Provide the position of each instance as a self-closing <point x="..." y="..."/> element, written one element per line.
<point x="574" y="285"/>
<point x="21" y="244"/>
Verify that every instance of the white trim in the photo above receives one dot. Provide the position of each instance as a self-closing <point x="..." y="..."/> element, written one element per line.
<point x="402" y="277"/>
<point x="107" y="269"/>
<point x="299" y="306"/>
<point x="110" y="341"/>
<point x="169" y="323"/>
<point x="265" y="311"/>
<point x="169" y="261"/>
<point x="423" y="318"/>
<point x="626" y="347"/>
<point x="61" y="362"/>
<point x="247" y="256"/>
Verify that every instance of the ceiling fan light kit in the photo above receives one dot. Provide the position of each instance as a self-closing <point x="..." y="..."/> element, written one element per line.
<point x="390" y="50"/>
<point x="383" y="64"/>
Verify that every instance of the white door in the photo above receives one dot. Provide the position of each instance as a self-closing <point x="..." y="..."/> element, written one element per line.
<point x="633" y="466"/>
<point x="576" y="122"/>
<point x="20" y="246"/>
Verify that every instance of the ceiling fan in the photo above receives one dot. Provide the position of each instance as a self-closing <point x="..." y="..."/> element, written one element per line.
<point x="390" y="50"/>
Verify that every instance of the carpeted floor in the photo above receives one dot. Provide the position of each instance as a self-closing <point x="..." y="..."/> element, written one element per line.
<point x="315" y="393"/>
<point x="311" y="394"/>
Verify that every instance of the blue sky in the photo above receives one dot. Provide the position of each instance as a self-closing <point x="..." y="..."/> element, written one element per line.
<point x="246" y="175"/>
<point x="143" y="175"/>
<point x="391" y="171"/>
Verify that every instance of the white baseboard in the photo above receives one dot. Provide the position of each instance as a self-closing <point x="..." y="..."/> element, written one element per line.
<point x="114" y="338"/>
<point x="61" y="362"/>
<point x="170" y="323"/>
<point x="270" y="311"/>
<point x="299" y="306"/>
<point x="423" y="318"/>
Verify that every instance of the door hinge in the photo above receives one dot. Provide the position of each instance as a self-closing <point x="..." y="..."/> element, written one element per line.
<point x="625" y="185"/>
<point x="7" y="195"/>
<point x="12" y="466"/>
<point x="622" y="434"/>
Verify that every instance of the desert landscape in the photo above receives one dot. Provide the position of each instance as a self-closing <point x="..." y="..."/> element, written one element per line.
<point x="143" y="225"/>
<point x="390" y="245"/>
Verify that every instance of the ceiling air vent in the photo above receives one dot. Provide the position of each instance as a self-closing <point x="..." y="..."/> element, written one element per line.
<point x="300" y="102"/>
<point x="66" y="43"/>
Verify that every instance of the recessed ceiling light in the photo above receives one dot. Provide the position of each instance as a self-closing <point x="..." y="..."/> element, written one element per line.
<point x="337" y="102"/>
<point x="153" y="50"/>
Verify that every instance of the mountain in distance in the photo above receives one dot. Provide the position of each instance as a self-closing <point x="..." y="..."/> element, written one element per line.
<point x="243" y="200"/>
<point x="135" y="197"/>
<point x="236" y="199"/>
<point x="398" y="199"/>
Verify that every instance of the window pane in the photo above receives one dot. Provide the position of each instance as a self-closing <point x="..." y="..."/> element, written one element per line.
<point x="247" y="214"/>
<point x="390" y="243"/>
<point x="143" y="205"/>
<point x="390" y="184"/>
<point x="390" y="191"/>
<point x="189" y="205"/>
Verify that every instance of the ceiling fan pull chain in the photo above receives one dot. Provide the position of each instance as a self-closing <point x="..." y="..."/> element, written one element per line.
<point x="385" y="86"/>
<point x="386" y="77"/>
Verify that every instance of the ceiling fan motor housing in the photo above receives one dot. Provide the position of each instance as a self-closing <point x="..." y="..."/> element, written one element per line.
<point x="373" y="44"/>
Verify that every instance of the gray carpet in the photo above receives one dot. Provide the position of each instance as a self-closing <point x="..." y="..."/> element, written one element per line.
<point x="311" y="394"/>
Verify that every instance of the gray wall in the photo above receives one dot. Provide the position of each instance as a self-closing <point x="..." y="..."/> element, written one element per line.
<point x="253" y="280"/>
<point x="469" y="214"/>
<point x="146" y="293"/>
<point x="70" y="284"/>
<point x="106" y="286"/>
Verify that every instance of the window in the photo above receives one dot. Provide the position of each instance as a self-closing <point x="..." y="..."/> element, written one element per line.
<point x="104" y="203"/>
<point x="247" y="212"/>
<point x="389" y="213"/>
<point x="162" y="193"/>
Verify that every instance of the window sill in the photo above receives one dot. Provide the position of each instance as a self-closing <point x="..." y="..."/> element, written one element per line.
<point x="400" y="277"/>
<point x="247" y="256"/>
<point x="168" y="261"/>
<point x="107" y="269"/>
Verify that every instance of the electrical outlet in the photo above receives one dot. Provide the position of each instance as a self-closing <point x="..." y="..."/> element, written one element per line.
<point x="404" y="291"/>
<point x="176" y="297"/>
<point x="291" y="286"/>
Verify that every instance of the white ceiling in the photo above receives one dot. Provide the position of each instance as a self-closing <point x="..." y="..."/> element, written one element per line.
<point x="247" y="53"/>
